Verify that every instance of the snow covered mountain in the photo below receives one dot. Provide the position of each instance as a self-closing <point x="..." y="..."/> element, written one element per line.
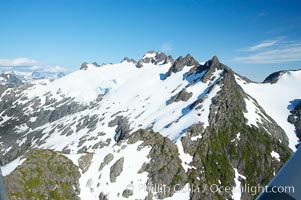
<point x="158" y="128"/>
<point x="16" y="78"/>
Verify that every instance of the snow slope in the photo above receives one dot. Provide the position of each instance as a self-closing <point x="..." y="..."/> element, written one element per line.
<point x="138" y="93"/>
<point x="276" y="99"/>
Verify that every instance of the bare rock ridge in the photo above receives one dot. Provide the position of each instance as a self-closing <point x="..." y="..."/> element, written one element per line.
<point x="130" y="60"/>
<point x="85" y="65"/>
<point x="181" y="62"/>
<point x="229" y="142"/>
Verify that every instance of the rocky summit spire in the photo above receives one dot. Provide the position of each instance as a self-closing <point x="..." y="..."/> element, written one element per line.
<point x="213" y="63"/>
<point x="96" y="64"/>
<point x="129" y="60"/>
<point x="181" y="62"/>
<point x="84" y="66"/>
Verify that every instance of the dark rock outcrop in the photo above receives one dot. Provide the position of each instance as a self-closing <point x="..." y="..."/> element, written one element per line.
<point x="44" y="174"/>
<point x="116" y="169"/>
<point x="183" y="95"/>
<point x="102" y="196"/>
<point x="127" y="193"/>
<point x="84" y="66"/>
<point x="129" y="60"/>
<point x="9" y="80"/>
<point x="122" y="128"/>
<point x="84" y="162"/>
<point x="106" y="161"/>
<point x="228" y="142"/>
<point x="274" y="77"/>
<point x="165" y="166"/>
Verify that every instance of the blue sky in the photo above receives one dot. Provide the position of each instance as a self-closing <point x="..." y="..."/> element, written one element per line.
<point x="254" y="37"/>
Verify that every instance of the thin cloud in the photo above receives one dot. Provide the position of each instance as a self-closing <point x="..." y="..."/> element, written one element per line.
<point x="18" y="62"/>
<point x="166" y="47"/>
<point x="286" y="51"/>
<point x="261" y="14"/>
<point x="262" y="45"/>
<point x="48" y="68"/>
<point x="27" y="64"/>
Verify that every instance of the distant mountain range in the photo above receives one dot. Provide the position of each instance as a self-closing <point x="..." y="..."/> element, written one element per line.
<point x="109" y="131"/>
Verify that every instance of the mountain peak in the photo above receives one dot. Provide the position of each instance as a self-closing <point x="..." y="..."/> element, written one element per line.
<point x="129" y="60"/>
<point x="151" y="54"/>
<point x="181" y="62"/>
<point x="154" y="57"/>
<point x="213" y="62"/>
<point x="85" y="65"/>
<point x="274" y="77"/>
<point x="96" y="64"/>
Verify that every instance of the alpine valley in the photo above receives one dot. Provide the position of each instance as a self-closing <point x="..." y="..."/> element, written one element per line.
<point x="158" y="128"/>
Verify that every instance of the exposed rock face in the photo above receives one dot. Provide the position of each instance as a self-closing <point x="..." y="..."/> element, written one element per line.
<point x="116" y="169"/>
<point x="84" y="66"/>
<point x="183" y="95"/>
<point x="102" y="196"/>
<point x="127" y="193"/>
<point x="295" y="118"/>
<point x="129" y="60"/>
<point x="10" y="80"/>
<point x="106" y="161"/>
<point x="213" y="65"/>
<point x="122" y="128"/>
<point x="165" y="166"/>
<point x="228" y="142"/>
<point x="180" y="63"/>
<point x="44" y="175"/>
<point x="21" y="116"/>
<point x="96" y="64"/>
<point x="274" y="77"/>
<point x="84" y="162"/>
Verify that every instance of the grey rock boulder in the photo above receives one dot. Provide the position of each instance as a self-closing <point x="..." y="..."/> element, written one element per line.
<point x="106" y="161"/>
<point x="116" y="169"/>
